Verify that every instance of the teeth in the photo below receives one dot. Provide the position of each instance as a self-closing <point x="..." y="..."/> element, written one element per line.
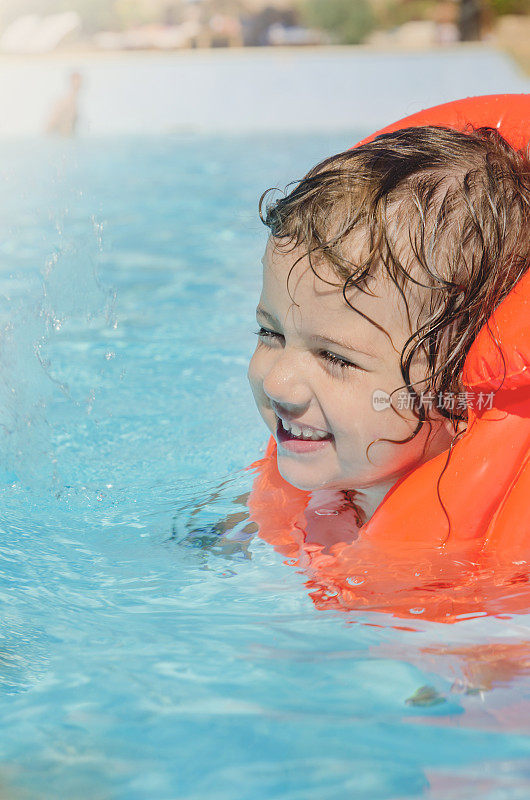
<point x="303" y="432"/>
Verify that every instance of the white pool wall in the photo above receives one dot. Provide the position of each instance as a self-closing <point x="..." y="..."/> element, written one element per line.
<point x="263" y="89"/>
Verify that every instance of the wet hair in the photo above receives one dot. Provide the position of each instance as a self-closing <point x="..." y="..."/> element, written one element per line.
<point x="443" y="214"/>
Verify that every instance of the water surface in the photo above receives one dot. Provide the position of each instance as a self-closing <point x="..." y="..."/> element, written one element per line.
<point x="136" y="659"/>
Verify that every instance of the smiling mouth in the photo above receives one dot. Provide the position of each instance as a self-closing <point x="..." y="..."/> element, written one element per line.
<point x="299" y="433"/>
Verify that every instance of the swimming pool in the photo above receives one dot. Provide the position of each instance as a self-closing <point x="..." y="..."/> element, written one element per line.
<point x="137" y="661"/>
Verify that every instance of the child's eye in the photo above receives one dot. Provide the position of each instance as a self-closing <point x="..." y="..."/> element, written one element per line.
<point x="337" y="361"/>
<point x="331" y="358"/>
<point x="263" y="333"/>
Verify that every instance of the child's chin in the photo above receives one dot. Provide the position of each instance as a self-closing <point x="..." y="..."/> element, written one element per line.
<point x="298" y="478"/>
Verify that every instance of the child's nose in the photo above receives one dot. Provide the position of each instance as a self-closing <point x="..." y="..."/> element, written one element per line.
<point x="285" y="382"/>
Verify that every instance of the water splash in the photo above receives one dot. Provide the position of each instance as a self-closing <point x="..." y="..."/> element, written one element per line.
<point x="44" y="320"/>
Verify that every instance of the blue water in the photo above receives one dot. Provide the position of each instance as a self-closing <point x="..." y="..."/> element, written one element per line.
<point x="137" y="661"/>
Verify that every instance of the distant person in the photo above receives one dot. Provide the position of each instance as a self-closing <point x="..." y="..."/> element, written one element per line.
<point x="64" y="117"/>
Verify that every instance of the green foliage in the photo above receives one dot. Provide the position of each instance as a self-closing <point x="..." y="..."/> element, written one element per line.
<point x="350" y="21"/>
<point x="502" y="7"/>
<point x="396" y="12"/>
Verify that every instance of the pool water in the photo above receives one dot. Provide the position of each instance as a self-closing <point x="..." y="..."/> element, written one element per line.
<point x="137" y="659"/>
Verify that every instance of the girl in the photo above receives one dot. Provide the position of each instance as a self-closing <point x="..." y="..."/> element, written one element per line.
<point x="383" y="264"/>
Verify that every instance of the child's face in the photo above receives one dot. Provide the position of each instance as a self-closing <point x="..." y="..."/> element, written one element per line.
<point x="294" y="379"/>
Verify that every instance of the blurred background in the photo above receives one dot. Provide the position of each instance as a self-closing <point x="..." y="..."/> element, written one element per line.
<point x="47" y="25"/>
<point x="106" y="66"/>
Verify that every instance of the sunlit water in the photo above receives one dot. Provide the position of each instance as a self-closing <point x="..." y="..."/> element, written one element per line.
<point x="136" y="660"/>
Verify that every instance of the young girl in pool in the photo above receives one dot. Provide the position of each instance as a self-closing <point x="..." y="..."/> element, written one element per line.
<point x="382" y="265"/>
